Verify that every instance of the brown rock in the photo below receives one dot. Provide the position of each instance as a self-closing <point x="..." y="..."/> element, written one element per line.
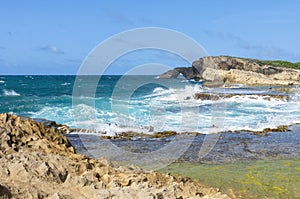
<point x="236" y="70"/>
<point x="169" y="74"/>
<point x="217" y="96"/>
<point x="43" y="165"/>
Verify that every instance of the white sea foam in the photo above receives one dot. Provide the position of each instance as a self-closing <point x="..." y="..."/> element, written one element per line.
<point x="110" y="129"/>
<point x="2" y="81"/>
<point x="176" y="109"/>
<point x="176" y="94"/>
<point x="10" y="93"/>
<point x="295" y="97"/>
<point x="30" y="77"/>
<point x="158" y="90"/>
<point x="111" y="123"/>
<point x="66" y="84"/>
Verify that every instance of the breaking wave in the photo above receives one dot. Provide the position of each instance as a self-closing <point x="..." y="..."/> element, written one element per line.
<point x="10" y="93"/>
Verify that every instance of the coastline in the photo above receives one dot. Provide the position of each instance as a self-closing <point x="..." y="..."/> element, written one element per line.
<point x="179" y="167"/>
<point x="50" y="154"/>
<point x="241" y="164"/>
<point x="150" y="100"/>
<point x="270" y="144"/>
<point x="229" y="147"/>
<point x="39" y="162"/>
<point x="217" y="71"/>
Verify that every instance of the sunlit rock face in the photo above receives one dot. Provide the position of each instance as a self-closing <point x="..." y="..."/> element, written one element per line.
<point x="230" y="70"/>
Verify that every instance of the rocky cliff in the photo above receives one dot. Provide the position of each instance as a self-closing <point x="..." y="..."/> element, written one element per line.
<point x="38" y="161"/>
<point x="230" y="70"/>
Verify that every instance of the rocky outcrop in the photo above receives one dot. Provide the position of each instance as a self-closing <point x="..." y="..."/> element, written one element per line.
<point x="230" y="70"/>
<point x="189" y="72"/>
<point x="218" y="96"/>
<point x="170" y="74"/>
<point x="18" y="133"/>
<point x="38" y="161"/>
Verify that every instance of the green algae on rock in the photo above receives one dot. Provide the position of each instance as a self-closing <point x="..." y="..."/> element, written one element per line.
<point x="277" y="178"/>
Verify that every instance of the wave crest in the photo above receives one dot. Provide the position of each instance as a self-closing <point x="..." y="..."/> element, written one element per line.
<point x="10" y="93"/>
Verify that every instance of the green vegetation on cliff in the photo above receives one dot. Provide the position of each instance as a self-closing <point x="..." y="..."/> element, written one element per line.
<point x="279" y="63"/>
<point x="276" y="63"/>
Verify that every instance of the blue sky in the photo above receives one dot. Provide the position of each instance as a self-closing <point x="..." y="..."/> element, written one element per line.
<point x="54" y="37"/>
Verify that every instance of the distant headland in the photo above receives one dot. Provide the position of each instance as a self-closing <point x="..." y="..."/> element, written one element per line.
<point x="226" y="70"/>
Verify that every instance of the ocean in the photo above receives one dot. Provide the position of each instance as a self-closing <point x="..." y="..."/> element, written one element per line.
<point x="146" y="104"/>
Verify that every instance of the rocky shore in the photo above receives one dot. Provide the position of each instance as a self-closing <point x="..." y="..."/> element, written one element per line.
<point x="38" y="161"/>
<point x="219" y="96"/>
<point x="229" y="146"/>
<point x="226" y="70"/>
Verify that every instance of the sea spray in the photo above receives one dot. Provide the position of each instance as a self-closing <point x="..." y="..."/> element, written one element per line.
<point x="154" y="105"/>
<point x="10" y="93"/>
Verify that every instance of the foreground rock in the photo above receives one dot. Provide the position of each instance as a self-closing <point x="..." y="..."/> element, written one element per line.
<point x="39" y="162"/>
<point x="220" y="70"/>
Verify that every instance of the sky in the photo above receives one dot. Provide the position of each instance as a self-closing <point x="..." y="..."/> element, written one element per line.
<point x="54" y="37"/>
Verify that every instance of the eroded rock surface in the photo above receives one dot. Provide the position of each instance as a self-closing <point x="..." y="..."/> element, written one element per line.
<point x="219" y="96"/>
<point x="38" y="161"/>
<point x="232" y="70"/>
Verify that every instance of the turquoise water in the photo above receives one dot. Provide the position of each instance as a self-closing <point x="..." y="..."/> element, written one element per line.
<point x="143" y="103"/>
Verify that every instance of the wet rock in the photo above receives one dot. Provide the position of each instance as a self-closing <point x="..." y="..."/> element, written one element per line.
<point x="218" y="96"/>
<point x="38" y="161"/>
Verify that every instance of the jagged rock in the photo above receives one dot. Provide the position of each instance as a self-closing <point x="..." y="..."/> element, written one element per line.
<point x="218" y="96"/>
<point x="231" y="70"/>
<point x="189" y="72"/>
<point x="169" y="74"/>
<point x="37" y="161"/>
<point x="17" y="133"/>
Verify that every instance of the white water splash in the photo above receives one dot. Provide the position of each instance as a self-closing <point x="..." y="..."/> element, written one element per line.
<point x="10" y="93"/>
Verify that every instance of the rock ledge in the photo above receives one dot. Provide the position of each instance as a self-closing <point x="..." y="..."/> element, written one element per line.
<point x="38" y="161"/>
<point x="231" y="70"/>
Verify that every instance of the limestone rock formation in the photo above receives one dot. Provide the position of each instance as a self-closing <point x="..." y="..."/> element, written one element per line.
<point x="231" y="70"/>
<point x="218" y="96"/>
<point x="38" y="161"/>
<point x="170" y="74"/>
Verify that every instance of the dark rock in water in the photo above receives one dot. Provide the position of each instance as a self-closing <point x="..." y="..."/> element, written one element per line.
<point x="218" y="96"/>
<point x="280" y="142"/>
<point x="207" y="96"/>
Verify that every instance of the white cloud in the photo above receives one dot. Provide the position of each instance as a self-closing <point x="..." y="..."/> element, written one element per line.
<point x="52" y="49"/>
